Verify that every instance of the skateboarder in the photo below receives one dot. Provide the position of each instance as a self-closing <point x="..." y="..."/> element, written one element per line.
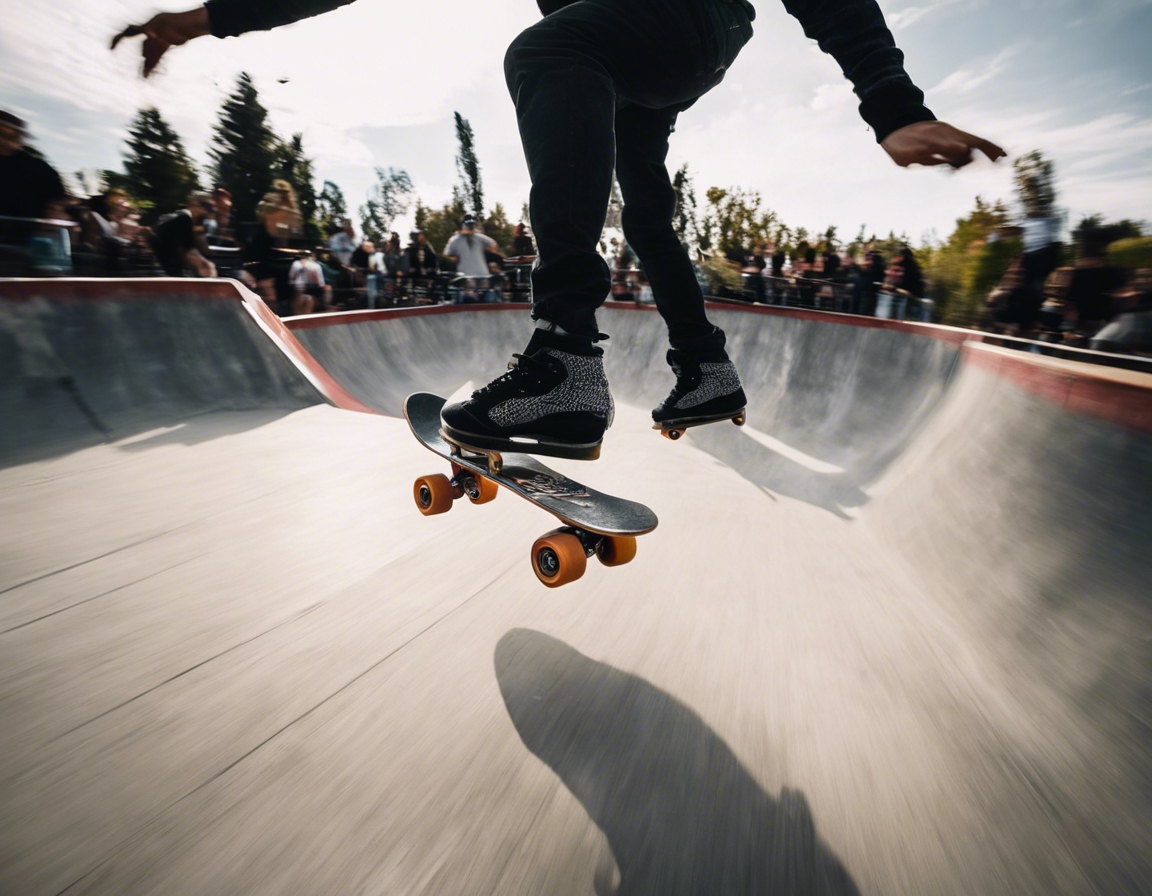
<point x="598" y="85"/>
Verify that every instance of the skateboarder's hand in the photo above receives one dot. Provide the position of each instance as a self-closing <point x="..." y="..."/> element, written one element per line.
<point x="937" y="143"/>
<point x="168" y="29"/>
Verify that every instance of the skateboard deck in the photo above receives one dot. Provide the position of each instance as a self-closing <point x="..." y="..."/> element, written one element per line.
<point x="593" y="523"/>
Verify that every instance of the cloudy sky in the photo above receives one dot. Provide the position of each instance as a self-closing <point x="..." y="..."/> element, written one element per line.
<point x="376" y="83"/>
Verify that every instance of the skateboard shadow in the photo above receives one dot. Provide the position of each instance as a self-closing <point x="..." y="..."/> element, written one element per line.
<point x="680" y="813"/>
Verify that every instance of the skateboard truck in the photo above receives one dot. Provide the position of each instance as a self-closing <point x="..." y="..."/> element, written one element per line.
<point x="494" y="459"/>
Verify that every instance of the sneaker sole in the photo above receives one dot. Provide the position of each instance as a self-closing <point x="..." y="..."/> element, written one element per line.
<point x="530" y="445"/>
<point x="674" y="429"/>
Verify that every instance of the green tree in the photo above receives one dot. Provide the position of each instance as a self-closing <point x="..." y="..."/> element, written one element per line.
<point x="684" y="218"/>
<point x="331" y="209"/>
<point x="966" y="266"/>
<point x="1035" y="178"/>
<point x="440" y="224"/>
<point x="497" y="226"/>
<point x="244" y="150"/>
<point x="158" y="174"/>
<point x="468" y="165"/>
<point x="297" y="169"/>
<point x="738" y="218"/>
<point x="388" y="199"/>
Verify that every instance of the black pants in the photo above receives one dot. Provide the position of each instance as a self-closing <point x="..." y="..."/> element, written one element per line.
<point x="598" y="85"/>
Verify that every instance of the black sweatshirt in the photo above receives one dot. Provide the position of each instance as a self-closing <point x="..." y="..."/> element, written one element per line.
<point x="853" y="32"/>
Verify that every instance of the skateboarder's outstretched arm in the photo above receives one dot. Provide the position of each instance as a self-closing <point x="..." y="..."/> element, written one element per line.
<point x="221" y="18"/>
<point x="855" y="34"/>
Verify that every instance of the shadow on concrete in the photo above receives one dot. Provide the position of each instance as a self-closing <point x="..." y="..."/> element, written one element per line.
<point x="835" y="492"/>
<point x="680" y="813"/>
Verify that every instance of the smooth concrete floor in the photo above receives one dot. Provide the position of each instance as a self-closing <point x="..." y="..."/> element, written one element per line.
<point x="235" y="659"/>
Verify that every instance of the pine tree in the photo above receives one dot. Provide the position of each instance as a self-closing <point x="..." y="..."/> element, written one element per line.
<point x="158" y="174"/>
<point x="331" y="210"/>
<point x="296" y="168"/>
<point x="468" y="165"/>
<point x="245" y="149"/>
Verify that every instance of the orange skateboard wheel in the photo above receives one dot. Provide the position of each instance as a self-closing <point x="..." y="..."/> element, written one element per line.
<point x="433" y="494"/>
<point x="558" y="558"/>
<point x="616" y="550"/>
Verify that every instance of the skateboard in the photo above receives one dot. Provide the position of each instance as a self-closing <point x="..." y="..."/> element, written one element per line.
<point x="594" y="523"/>
<point x="674" y="429"/>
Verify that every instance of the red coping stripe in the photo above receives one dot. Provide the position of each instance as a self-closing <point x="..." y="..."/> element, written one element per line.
<point x="1118" y="396"/>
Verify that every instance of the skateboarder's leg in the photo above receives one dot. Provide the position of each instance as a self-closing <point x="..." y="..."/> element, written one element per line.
<point x="567" y="74"/>
<point x="649" y="205"/>
<point x="707" y="384"/>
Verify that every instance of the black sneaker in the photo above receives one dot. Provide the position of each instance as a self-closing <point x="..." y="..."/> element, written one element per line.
<point x="705" y="390"/>
<point x="554" y="400"/>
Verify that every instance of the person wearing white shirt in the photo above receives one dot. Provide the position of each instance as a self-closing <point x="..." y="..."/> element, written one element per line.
<point x="307" y="279"/>
<point x="468" y="249"/>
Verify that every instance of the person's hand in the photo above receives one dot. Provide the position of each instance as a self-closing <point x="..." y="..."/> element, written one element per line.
<point x="168" y="29"/>
<point x="937" y="143"/>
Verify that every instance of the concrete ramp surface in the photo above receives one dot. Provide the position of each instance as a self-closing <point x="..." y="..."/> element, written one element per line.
<point x="894" y="636"/>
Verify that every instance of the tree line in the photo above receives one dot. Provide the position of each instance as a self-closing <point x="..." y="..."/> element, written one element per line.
<point x="246" y="156"/>
<point x="962" y="268"/>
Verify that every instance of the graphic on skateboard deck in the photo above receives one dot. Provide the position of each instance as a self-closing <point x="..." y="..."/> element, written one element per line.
<point x="594" y="523"/>
<point x="673" y="429"/>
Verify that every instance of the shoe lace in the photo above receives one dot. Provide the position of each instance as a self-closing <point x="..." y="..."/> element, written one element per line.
<point x="685" y="383"/>
<point x="522" y="369"/>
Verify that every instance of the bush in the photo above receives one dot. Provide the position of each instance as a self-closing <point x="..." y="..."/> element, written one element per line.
<point x="1132" y="253"/>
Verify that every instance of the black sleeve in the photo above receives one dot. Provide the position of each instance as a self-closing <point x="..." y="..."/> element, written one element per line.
<point x="228" y="18"/>
<point x="854" y="33"/>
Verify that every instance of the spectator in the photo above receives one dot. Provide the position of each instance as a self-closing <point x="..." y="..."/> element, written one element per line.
<point x="753" y="269"/>
<point x="874" y="273"/>
<point x="776" y="285"/>
<point x="1094" y="282"/>
<point x="911" y="277"/>
<point x="370" y="265"/>
<point x="1131" y="331"/>
<point x="308" y="285"/>
<point x="342" y="244"/>
<point x="264" y="256"/>
<point x="423" y="265"/>
<point x="522" y="245"/>
<point x="29" y="186"/>
<point x="219" y="228"/>
<point x="180" y="244"/>
<point x="469" y="250"/>
<point x="1009" y="304"/>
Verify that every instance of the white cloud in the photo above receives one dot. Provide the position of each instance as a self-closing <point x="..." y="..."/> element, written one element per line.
<point x="966" y="80"/>
<point x="376" y="83"/>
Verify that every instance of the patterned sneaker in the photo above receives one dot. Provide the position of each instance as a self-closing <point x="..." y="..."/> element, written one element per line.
<point x="554" y="400"/>
<point x="704" y="390"/>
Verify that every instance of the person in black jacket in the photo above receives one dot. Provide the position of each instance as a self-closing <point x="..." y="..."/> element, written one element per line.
<point x="599" y="84"/>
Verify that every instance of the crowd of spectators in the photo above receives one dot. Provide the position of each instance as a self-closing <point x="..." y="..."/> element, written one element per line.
<point x="44" y="231"/>
<point x="1090" y="303"/>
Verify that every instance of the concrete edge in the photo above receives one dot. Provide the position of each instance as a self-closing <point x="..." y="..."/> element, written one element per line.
<point x="208" y="290"/>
